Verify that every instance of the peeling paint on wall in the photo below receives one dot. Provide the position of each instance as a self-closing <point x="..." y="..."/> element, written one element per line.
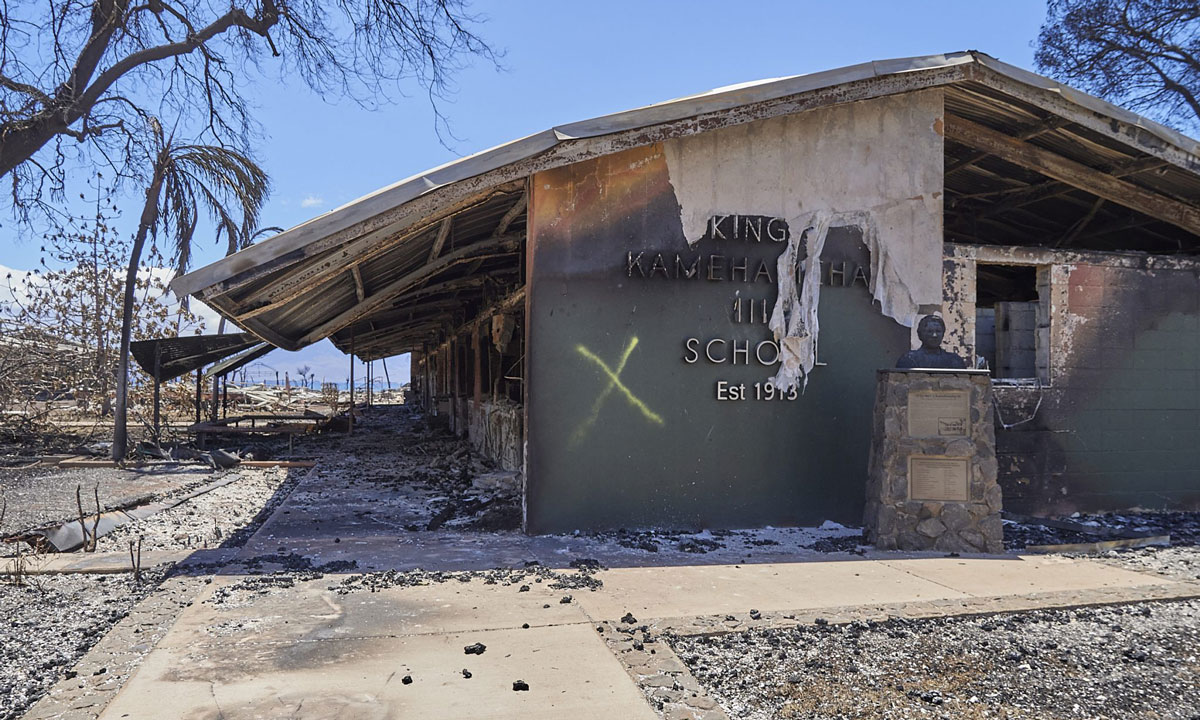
<point x="875" y="164"/>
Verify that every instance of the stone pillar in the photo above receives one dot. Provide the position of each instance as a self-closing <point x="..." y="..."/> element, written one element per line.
<point x="931" y="484"/>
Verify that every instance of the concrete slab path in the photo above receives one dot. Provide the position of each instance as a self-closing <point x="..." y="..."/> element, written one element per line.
<point x="311" y="652"/>
<point x="303" y="649"/>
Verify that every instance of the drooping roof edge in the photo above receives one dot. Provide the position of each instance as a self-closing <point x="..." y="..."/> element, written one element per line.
<point x="363" y="216"/>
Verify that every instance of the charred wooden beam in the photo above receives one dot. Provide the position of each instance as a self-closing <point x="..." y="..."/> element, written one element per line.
<point x="513" y="213"/>
<point x="1048" y="126"/>
<point x="453" y="285"/>
<point x="1073" y="173"/>
<point x="506" y="244"/>
<point x="1053" y="188"/>
<point x="505" y="304"/>
<point x="502" y="227"/>
<point x="358" y="283"/>
<point x="1132" y="223"/>
<point x="383" y="339"/>
<point x="364" y="332"/>
<point x="321" y="269"/>
<point x="1081" y="225"/>
<point x="440" y="240"/>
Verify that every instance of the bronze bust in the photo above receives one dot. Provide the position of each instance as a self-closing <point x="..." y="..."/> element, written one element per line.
<point x="931" y="330"/>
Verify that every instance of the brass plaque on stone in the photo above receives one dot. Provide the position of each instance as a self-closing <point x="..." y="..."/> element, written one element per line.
<point x="938" y="413"/>
<point x="937" y="478"/>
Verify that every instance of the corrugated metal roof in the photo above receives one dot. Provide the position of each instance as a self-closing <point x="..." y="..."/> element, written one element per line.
<point x="367" y="245"/>
<point x="180" y="355"/>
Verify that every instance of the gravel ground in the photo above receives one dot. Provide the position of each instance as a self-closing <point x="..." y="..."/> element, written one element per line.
<point x="50" y="622"/>
<point x="1177" y="563"/>
<point x="1132" y="661"/>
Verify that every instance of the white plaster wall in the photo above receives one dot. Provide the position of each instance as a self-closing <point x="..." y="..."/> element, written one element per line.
<point x="874" y="163"/>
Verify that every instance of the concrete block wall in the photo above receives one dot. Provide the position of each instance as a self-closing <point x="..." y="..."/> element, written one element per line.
<point x="1116" y="422"/>
<point x="1015" y="339"/>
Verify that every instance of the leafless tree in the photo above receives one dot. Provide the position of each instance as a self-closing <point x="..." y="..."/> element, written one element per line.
<point x="1144" y="54"/>
<point x="79" y="79"/>
<point x="186" y="179"/>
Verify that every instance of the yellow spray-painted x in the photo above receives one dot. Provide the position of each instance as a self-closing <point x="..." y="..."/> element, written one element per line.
<point x="614" y="383"/>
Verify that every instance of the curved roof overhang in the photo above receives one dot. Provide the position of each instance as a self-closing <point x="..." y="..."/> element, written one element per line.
<point x="398" y="267"/>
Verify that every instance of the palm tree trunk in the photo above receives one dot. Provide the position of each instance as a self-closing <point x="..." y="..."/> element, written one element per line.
<point x="148" y="220"/>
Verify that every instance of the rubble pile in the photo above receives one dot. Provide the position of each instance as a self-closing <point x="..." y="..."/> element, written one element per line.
<point x="1183" y="527"/>
<point x="1129" y="661"/>
<point x="439" y="480"/>
<point x="581" y="577"/>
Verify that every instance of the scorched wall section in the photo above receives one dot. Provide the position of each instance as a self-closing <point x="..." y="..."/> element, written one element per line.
<point x="651" y="352"/>
<point x="1117" y="425"/>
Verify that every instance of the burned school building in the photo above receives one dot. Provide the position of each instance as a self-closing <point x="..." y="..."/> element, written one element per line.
<point x="673" y="316"/>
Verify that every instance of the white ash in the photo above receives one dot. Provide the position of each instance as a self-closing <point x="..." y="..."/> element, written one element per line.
<point x="51" y="621"/>
<point x="43" y="496"/>
<point x="1130" y="661"/>
<point x="223" y="517"/>
<point x="1176" y="563"/>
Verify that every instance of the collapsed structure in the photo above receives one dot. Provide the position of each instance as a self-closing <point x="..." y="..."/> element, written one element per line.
<point x="673" y="316"/>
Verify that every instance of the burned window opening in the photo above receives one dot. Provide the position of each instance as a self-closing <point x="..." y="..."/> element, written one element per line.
<point x="1012" y="321"/>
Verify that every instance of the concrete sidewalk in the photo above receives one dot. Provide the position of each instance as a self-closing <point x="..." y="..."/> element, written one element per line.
<point x="309" y="652"/>
<point x="294" y="646"/>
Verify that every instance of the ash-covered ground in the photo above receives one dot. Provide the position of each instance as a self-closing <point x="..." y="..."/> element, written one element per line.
<point x="1180" y="560"/>
<point x="1183" y="528"/>
<point x="50" y="621"/>
<point x="426" y="486"/>
<point x="45" y="495"/>
<point x="224" y="517"/>
<point x="1131" y="661"/>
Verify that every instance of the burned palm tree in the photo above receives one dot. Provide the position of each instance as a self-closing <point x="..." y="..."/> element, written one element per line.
<point x="185" y="180"/>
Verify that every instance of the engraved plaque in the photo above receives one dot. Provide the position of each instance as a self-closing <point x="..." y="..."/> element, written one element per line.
<point x="938" y="413"/>
<point x="938" y="478"/>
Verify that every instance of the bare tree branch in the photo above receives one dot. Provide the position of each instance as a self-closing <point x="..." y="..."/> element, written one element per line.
<point x="1141" y="53"/>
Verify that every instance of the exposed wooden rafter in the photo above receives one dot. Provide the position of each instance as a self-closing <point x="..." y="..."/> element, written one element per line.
<point x="1073" y="173"/>
<point x="461" y="283"/>
<point x="1042" y="128"/>
<point x="1053" y="188"/>
<point x="503" y="305"/>
<point x="328" y="266"/>
<point x="512" y="214"/>
<point x="1081" y="224"/>
<point x="440" y="240"/>
<point x="358" y="283"/>
<point x="502" y="227"/>
<point x="492" y="247"/>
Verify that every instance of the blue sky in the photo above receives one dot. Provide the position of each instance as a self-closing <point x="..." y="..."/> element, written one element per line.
<point x="572" y="61"/>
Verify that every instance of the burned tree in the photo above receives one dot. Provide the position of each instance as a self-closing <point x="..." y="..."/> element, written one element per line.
<point x="78" y="80"/>
<point x="185" y="179"/>
<point x="60" y="329"/>
<point x="1144" y="54"/>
